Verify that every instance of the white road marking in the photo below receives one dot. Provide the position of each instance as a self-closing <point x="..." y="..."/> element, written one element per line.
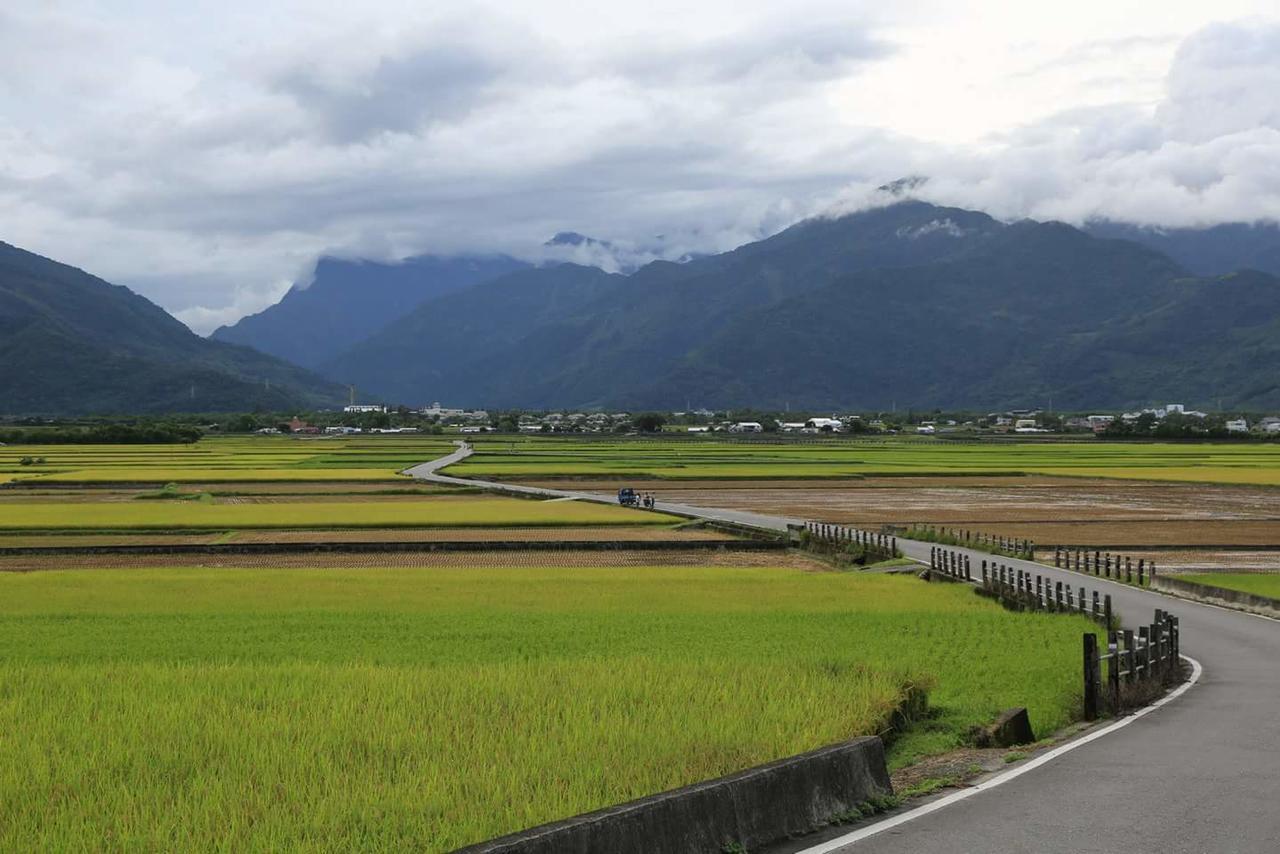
<point x="1000" y="779"/>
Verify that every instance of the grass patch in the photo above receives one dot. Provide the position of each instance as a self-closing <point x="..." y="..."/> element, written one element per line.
<point x="427" y="709"/>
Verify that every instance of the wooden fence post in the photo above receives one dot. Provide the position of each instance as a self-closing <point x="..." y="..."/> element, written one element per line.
<point x="1090" y="677"/>
<point x="1106" y="608"/>
<point x="1128" y="656"/>
<point x="1113" y="671"/>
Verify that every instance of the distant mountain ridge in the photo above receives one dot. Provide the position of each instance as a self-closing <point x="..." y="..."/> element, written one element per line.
<point x="71" y="343"/>
<point x="1211" y="251"/>
<point x="348" y="300"/>
<point x="910" y="303"/>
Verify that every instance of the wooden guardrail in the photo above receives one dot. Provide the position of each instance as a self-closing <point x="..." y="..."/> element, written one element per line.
<point x="1146" y="659"/>
<point x="971" y="539"/>
<point x="1135" y="664"/>
<point x="874" y="544"/>
<point x="1105" y="565"/>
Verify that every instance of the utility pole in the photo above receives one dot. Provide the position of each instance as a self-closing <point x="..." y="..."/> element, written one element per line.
<point x="352" y="390"/>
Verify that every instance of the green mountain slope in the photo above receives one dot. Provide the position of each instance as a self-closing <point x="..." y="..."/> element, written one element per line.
<point x="72" y="343"/>
<point x="909" y="304"/>
<point x="349" y="300"/>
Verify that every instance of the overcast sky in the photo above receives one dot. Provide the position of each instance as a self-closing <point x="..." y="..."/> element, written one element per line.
<point x="205" y="153"/>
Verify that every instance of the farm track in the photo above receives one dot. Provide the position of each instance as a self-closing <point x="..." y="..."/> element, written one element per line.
<point x="1197" y="775"/>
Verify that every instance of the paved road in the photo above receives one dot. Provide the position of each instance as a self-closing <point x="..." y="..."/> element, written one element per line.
<point x="1200" y="775"/>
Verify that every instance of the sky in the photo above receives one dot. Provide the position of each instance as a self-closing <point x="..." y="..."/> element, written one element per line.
<point x="205" y="154"/>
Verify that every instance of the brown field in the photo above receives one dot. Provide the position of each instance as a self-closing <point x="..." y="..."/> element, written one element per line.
<point x="1183" y="521"/>
<point x="357" y="560"/>
<point x="617" y="533"/>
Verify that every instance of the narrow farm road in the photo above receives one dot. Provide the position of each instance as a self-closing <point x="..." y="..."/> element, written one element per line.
<point x="1200" y="775"/>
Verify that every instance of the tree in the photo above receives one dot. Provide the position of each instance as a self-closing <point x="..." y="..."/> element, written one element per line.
<point x="650" y="422"/>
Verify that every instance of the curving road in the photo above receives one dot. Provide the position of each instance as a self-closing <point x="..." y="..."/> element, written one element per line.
<point x="1200" y="775"/>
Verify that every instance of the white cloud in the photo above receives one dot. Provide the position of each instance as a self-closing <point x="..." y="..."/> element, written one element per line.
<point x="205" y="153"/>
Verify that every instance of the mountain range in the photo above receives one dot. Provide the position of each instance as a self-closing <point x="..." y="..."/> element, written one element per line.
<point x="71" y="343"/>
<point x="908" y="304"/>
<point x="349" y="300"/>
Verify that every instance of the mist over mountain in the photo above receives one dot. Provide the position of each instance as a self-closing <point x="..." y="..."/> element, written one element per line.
<point x="1210" y="251"/>
<point x="348" y="300"/>
<point x="71" y="343"/>
<point x="911" y="303"/>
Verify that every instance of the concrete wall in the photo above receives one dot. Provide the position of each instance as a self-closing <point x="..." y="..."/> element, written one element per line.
<point x="753" y="808"/>
<point x="1218" y="596"/>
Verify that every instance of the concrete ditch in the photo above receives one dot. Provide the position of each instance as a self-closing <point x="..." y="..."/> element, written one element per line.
<point x="1220" y="596"/>
<point x="753" y="808"/>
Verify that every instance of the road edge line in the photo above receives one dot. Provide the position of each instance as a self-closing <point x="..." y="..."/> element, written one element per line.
<point x="862" y="833"/>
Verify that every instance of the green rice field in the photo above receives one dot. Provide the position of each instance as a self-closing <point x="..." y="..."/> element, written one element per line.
<point x="353" y="459"/>
<point x="1258" y="584"/>
<point x="226" y="459"/>
<point x="424" y="709"/>
<point x="426" y="512"/>
<point x="695" y="458"/>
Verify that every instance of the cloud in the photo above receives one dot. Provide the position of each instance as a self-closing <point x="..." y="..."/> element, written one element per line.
<point x="207" y="155"/>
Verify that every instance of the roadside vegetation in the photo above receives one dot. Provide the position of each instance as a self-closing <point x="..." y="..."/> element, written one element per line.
<point x="425" y="709"/>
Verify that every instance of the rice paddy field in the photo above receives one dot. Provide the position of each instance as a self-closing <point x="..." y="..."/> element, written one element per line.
<point x="425" y="708"/>
<point x="717" y="458"/>
<point x="450" y="512"/>
<point x="226" y="460"/>
<point x="1259" y="584"/>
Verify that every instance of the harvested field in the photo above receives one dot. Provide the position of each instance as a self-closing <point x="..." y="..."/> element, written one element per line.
<point x="960" y="501"/>
<point x="1183" y="561"/>
<point x="611" y="533"/>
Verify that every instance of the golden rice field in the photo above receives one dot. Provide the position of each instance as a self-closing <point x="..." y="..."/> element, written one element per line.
<point x="425" y="512"/>
<point x="424" y="709"/>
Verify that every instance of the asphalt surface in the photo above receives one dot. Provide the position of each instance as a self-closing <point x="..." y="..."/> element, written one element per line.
<point x="1200" y="775"/>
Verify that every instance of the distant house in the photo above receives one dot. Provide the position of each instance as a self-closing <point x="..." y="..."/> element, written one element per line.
<point x="297" y="425"/>
<point x="825" y="425"/>
<point x="1270" y="424"/>
<point x="1238" y="425"/>
<point x="747" y="427"/>
<point x="360" y="408"/>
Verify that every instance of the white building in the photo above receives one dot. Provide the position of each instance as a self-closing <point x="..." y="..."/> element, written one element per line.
<point x="826" y="425"/>
<point x="747" y="427"/>
<point x="359" y="408"/>
<point x="1238" y="425"/>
